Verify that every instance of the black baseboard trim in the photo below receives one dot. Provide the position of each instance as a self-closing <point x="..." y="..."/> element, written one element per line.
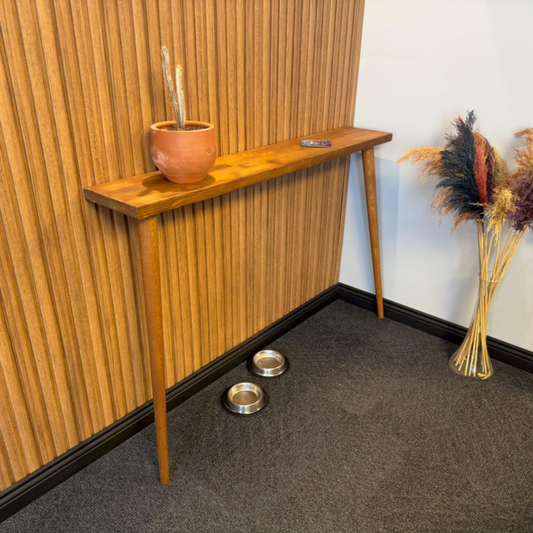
<point x="502" y="351"/>
<point x="52" y="474"/>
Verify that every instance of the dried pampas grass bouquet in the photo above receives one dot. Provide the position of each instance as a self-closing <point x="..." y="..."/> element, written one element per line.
<point x="473" y="183"/>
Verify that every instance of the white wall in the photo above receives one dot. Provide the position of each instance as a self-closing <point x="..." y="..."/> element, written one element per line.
<point x="423" y="63"/>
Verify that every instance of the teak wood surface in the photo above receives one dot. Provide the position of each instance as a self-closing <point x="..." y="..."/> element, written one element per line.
<point x="151" y="287"/>
<point x="146" y="196"/>
<point x="369" y="173"/>
<point x="80" y="85"/>
<point x="152" y="194"/>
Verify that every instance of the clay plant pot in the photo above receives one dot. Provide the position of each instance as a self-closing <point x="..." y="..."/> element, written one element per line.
<point x="183" y="156"/>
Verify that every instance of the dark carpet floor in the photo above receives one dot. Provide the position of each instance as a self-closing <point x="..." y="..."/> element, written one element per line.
<point x="368" y="431"/>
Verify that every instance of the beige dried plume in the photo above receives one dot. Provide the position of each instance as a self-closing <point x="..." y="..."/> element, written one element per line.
<point x="503" y="204"/>
<point x="428" y="155"/>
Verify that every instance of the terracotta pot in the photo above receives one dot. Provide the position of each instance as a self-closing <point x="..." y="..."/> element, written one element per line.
<point x="183" y="156"/>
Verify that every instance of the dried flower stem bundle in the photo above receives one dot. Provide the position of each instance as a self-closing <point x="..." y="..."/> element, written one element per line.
<point x="472" y="358"/>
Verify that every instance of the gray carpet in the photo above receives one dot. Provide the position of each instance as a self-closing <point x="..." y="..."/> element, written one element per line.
<point x="368" y="431"/>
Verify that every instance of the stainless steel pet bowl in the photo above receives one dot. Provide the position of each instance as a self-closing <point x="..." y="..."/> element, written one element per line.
<point x="268" y="364"/>
<point x="244" y="399"/>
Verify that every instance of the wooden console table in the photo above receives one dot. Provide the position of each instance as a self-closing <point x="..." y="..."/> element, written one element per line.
<point x="146" y="196"/>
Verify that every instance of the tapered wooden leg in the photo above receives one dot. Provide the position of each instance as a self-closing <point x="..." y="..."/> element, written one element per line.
<point x="147" y="229"/>
<point x="369" y="171"/>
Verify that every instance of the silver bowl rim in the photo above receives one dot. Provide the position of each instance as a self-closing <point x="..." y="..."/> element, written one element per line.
<point x="226" y="404"/>
<point x="253" y="369"/>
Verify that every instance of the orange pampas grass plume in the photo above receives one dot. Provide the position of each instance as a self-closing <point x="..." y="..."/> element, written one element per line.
<point x="480" y="172"/>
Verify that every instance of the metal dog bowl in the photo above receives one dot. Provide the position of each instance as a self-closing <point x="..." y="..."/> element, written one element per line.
<point x="244" y="399"/>
<point x="268" y="364"/>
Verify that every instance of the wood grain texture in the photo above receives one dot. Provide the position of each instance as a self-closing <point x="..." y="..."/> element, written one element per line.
<point x="80" y="84"/>
<point x="151" y="286"/>
<point x="369" y="172"/>
<point x="151" y="194"/>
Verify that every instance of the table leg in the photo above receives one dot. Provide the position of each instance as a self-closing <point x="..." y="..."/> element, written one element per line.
<point x="147" y="229"/>
<point x="369" y="171"/>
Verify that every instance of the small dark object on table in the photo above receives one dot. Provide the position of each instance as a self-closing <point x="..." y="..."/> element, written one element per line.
<point x="316" y="143"/>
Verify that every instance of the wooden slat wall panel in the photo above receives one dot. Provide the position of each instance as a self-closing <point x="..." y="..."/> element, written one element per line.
<point x="80" y="84"/>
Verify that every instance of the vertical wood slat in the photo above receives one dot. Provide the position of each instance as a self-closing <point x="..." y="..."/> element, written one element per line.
<point x="80" y="84"/>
